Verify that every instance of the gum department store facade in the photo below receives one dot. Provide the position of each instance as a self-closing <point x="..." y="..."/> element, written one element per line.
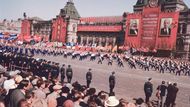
<point x="148" y="19"/>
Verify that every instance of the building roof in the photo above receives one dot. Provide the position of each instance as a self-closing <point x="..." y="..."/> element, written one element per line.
<point x="175" y="2"/>
<point x="69" y="11"/>
<point x="142" y="2"/>
<point x="36" y="18"/>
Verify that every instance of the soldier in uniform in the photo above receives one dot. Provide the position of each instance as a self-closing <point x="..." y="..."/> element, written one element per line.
<point x="112" y="82"/>
<point x="62" y="71"/>
<point x="110" y="61"/>
<point x="148" y="89"/>
<point x="178" y="72"/>
<point x="65" y="54"/>
<point x="162" y="67"/>
<point x="161" y="92"/>
<point x="100" y="60"/>
<point x="88" y="77"/>
<point x="69" y="73"/>
<point x="187" y="71"/>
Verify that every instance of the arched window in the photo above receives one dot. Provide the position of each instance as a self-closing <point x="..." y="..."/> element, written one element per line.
<point x="74" y="27"/>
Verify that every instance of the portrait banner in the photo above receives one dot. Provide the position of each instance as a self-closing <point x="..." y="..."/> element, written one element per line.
<point x="133" y="28"/>
<point x="165" y="27"/>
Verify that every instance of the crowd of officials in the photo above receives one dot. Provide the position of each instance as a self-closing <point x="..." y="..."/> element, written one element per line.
<point x="39" y="86"/>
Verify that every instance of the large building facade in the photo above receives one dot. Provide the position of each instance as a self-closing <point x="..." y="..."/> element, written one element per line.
<point x="12" y="27"/>
<point x="161" y="26"/>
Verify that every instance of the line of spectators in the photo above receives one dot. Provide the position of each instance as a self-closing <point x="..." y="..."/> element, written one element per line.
<point x="34" y="91"/>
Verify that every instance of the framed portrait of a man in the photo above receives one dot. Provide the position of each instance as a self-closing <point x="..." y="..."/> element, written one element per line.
<point x="165" y="28"/>
<point x="133" y="28"/>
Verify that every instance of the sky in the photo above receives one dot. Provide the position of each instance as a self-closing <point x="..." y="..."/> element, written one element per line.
<point x="48" y="9"/>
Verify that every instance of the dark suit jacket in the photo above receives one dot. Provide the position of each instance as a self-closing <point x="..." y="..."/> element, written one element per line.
<point x="112" y="80"/>
<point x="15" y="97"/>
<point x="148" y="88"/>
<point x="69" y="72"/>
<point x="132" y="31"/>
<point x="164" y="32"/>
<point x="88" y="76"/>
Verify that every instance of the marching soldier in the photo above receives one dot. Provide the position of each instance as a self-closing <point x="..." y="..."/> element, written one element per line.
<point x="100" y="60"/>
<point x="88" y="78"/>
<point x="110" y="61"/>
<point x="162" y="67"/>
<point x="112" y="82"/>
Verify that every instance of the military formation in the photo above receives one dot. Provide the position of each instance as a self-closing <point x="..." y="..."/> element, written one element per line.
<point x="161" y="65"/>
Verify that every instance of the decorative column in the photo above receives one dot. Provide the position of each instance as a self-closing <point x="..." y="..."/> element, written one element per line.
<point x="87" y="39"/>
<point x="107" y="40"/>
<point x="81" y="39"/>
<point x="114" y="41"/>
<point x="100" y="41"/>
<point x="93" y="40"/>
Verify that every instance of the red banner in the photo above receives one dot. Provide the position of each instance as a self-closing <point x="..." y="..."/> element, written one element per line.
<point x="147" y="30"/>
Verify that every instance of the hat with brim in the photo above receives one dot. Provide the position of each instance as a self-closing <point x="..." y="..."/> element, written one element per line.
<point x="9" y="84"/>
<point x="57" y="87"/>
<point x="112" y="101"/>
<point x="34" y="82"/>
<point x="44" y="78"/>
<point x="13" y="73"/>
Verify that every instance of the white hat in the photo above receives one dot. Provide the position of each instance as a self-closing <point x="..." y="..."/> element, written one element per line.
<point x="57" y="87"/>
<point x="69" y="86"/>
<point x="13" y="73"/>
<point x="112" y="101"/>
<point x="9" y="84"/>
<point x="44" y="78"/>
<point x="34" y="82"/>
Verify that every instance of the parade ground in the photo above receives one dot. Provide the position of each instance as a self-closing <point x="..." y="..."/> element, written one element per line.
<point x="129" y="82"/>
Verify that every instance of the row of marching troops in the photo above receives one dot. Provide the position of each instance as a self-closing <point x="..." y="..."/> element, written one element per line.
<point x="31" y="51"/>
<point x="161" y="65"/>
<point x="158" y="64"/>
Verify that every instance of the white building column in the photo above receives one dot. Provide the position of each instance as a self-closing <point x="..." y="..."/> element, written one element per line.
<point x="107" y="40"/>
<point x="87" y="40"/>
<point x="81" y="39"/>
<point x="114" y="41"/>
<point x="93" y="40"/>
<point x="100" y="41"/>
